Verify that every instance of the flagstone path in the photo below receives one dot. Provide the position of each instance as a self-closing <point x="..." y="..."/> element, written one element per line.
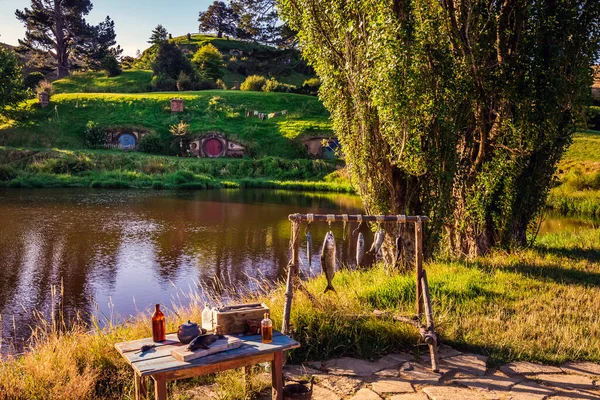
<point x="462" y="376"/>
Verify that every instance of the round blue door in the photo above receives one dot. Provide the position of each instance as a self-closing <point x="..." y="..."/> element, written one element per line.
<point x="127" y="140"/>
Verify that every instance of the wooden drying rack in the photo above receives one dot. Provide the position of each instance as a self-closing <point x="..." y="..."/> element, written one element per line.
<point x="423" y="300"/>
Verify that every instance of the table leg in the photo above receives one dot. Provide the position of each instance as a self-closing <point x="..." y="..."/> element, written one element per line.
<point x="247" y="386"/>
<point x="277" y="375"/>
<point x="160" y="387"/>
<point x="141" y="392"/>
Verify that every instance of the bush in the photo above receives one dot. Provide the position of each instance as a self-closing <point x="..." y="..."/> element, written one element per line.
<point x="206" y="85"/>
<point x="254" y="83"/>
<point x="151" y="143"/>
<point x="44" y="87"/>
<point x="111" y="66"/>
<point x="33" y="79"/>
<point x="184" y="82"/>
<point x="209" y="62"/>
<point x="273" y="85"/>
<point x="95" y="136"/>
<point x="7" y="173"/>
<point x="311" y="86"/>
<point x="221" y="84"/>
<point x="162" y="82"/>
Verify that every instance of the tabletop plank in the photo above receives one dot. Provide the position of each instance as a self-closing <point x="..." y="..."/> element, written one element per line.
<point x="135" y="345"/>
<point x="161" y="362"/>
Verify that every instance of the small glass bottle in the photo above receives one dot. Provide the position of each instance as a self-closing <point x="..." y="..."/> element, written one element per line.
<point x="207" y="318"/>
<point x="159" y="333"/>
<point x="266" y="329"/>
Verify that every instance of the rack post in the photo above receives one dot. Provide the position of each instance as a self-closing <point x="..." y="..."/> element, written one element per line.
<point x="419" y="264"/>
<point x="293" y="271"/>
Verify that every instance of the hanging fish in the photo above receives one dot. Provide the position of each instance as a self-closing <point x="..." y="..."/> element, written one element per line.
<point x="309" y="248"/>
<point x="360" y="249"/>
<point x="377" y="242"/>
<point x="398" y="248"/>
<point x="328" y="260"/>
<point x="203" y="341"/>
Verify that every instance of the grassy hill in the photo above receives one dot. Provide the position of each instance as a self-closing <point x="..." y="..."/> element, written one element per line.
<point x="62" y="124"/>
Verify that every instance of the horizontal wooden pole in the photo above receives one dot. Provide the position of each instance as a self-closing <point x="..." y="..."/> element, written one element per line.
<point x="356" y="218"/>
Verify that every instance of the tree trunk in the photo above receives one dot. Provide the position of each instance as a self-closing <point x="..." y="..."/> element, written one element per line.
<point x="62" y="59"/>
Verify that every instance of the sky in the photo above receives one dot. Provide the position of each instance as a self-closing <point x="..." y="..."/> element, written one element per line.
<point x="134" y="19"/>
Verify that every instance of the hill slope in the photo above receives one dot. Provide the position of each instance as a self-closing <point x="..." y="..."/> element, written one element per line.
<point x="63" y="123"/>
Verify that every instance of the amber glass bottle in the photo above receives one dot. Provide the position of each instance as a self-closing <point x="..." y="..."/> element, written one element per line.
<point x="266" y="329"/>
<point x="158" y="325"/>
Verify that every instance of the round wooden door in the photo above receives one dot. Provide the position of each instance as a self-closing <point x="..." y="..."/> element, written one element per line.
<point x="213" y="147"/>
<point x="127" y="140"/>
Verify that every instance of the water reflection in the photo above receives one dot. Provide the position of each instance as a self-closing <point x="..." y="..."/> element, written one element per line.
<point x="135" y="248"/>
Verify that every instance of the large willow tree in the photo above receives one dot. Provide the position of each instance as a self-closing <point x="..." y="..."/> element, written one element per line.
<point x="457" y="109"/>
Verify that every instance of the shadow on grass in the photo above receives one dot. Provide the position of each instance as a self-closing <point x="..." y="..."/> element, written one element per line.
<point x="591" y="255"/>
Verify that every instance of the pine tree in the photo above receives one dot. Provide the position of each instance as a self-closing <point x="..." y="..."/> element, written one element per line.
<point x="159" y="35"/>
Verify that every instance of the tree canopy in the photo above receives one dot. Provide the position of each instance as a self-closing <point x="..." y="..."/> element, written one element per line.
<point x="170" y="61"/>
<point x="159" y="35"/>
<point x="11" y="83"/>
<point x="458" y="110"/>
<point x="209" y="62"/>
<point x="219" y="18"/>
<point x="59" y="28"/>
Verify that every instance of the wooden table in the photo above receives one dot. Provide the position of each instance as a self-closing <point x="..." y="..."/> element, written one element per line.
<point x="162" y="367"/>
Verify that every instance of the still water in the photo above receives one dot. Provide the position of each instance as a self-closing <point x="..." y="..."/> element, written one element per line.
<point x="115" y="253"/>
<point x="119" y="252"/>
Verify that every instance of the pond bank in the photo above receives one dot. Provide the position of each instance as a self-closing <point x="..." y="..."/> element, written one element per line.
<point x="43" y="168"/>
<point x="536" y="305"/>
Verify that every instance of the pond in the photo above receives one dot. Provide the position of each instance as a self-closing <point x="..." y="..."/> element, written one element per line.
<point x="114" y="253"/>
<point x="119" y="252"/>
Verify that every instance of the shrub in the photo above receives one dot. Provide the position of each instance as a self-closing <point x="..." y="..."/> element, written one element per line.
<point x="184" y="82"/>
<point x="206" y="85"/>
<point x="163" y="82"/>
<point x="273" y="85"/>
<point x="209" y="62"/>
<point x="254" y="83"/>
<point x="95" y="136"/>
<point x="7" y="173"/>
<point x="189" y="37"/>
<point x="33" y="79"/>
<point x="151" y="143"/>
<point x="311" y="86"/>
<point x="44" y="86"/>
<point x="111" y="66"/>
<point x="221" y="84"/>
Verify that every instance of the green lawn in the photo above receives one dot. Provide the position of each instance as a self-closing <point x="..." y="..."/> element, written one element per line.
<point x="62" y="124"/>
<point x="579" y="177"/>
<point x="130" y="81"/>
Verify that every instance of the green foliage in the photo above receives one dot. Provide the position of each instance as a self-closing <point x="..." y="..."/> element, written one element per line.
<point x="164" y="83"/>
<point x="170" y="61"/>
<point x="311" y="86"/>
<point x="111" y="66"/>
<point x="159" y="35"/>
<point x="452" y="113"/>
<point x="272" y="85"/>
<point x="33" y="79"/>
<point x="209" y="62"/>
<point x="152" y="144"/>
<point x="184" y="82"/>
<point x="44" y="87"/>
<point x="95" y="136"/>
<point x="253" y="83"/>
<point x="11" y="84"/>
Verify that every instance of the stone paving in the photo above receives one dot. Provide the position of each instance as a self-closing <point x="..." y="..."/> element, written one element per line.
<point x="462" y="376"/>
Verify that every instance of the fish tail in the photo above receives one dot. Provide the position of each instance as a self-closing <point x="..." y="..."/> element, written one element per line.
<point x="329" y="287"/>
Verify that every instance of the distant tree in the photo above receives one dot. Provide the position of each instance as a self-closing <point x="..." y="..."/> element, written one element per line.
<point x="220" y="18"/>
<point x="159" y="35"/>
<point x="11" y="83"/>
<point x="138" y="53"/>
<point x="170" y="36"/>
<point x="170" y="61"/>
<point x="258" y="20"/>
<point x="57" y="28"/>
<point x="209" y="62"/>
<point x="111" y="66"/>
<point x="97" y="43"/>
<point x="127" y="62"/>
<point x="189" y="37"/>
